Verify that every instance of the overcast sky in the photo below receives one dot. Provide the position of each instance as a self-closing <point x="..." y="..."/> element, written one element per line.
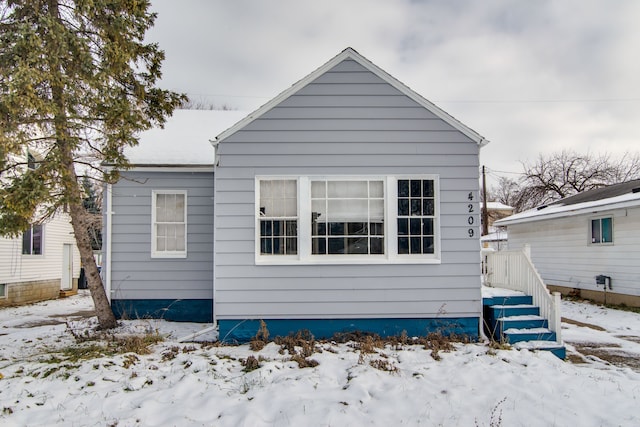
<point x="533" y="77"/>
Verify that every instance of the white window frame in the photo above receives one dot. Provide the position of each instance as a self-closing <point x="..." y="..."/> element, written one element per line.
<point x="590" y="231"/>
<point x="390" y="256"/>
<point x="4" y="290"/>
<point x="155" y="253"/>
<point x="31" y="254"/>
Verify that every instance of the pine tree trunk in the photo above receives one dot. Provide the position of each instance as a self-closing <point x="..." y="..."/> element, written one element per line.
<point x="79" y="215"/>
<point x="71" y="187"/>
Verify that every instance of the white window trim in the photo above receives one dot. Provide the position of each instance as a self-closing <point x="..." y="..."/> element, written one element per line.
<point x="42" y="242"/>
<point x="5" y="290"/>
<point x="167" y="254"/>
<point x="590" y="231"/>
<point x="390" y="255"/>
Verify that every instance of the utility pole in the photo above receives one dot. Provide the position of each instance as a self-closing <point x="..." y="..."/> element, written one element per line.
<point x="485" y="215"/>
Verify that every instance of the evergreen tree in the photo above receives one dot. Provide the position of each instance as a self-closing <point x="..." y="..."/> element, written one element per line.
<point x="77" y="84"/>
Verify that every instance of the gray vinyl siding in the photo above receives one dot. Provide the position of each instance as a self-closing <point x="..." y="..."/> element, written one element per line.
<point x="561" y="252"/>
<point x="348" y="121"/>
<point x="134" y="273"/>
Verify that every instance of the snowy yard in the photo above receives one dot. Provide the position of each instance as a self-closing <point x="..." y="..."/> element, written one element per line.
<point x="44" y="381"/>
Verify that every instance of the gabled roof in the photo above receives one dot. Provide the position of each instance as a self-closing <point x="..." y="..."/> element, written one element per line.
<point x="183" y="140"/>
<point x="351" y="54"/>
<point x="616" y="196"/>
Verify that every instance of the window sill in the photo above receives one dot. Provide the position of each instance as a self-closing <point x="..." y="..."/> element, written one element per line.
<point x="343" y="260"/>
<point x="169" y="255"/>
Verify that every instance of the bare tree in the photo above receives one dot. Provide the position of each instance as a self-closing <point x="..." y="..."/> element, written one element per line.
<point x="566" y="173"/>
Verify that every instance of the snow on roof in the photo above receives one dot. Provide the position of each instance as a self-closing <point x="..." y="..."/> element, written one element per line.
<point x="184" y="140"/>
<point x="560" y="209"/>
<point x="498" y="206"/>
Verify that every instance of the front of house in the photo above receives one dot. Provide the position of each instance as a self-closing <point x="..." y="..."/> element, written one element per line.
<point x="348" y="202"/>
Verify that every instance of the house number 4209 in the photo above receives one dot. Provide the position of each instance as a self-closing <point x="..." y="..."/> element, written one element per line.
<point x="470" y="218"/>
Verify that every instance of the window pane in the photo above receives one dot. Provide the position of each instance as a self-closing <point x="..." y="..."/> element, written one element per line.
<point x="428" y="207"/>
<point x="427" y="188"/>
<point x="414" y="226"/>
<point x="292" y="246"/>
<point x="403" y="245"/>
<point x="403" y="227"/>
<point x="265" y="228"/>
<point x="427" y="245"/>
<point x="403" y="188"/>
<point x="336" y="246"/>
<point x="607" y="230"/>
<point x="357" y="228"/>
<point x="427" y="227"/>
<point x="403" y="207"/>
<point x="376" y="189"/>
<point x="26" y="242"/>
<point x="265" y="246"/>
<point x="416" y="188"/>
<point x="336" y="228"/>
<point x="376" y="210"/>
<point x="595" y="231"/>
<point x="416" y="207"/>
<point x="318" y="189"/>
<point x="415" y="245"/>
<point x="377" y="245"/>
<point x="357" y="245"/>
<point x="318" y="246"/>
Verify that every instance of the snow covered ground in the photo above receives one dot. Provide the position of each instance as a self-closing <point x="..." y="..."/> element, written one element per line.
<point x="187" y="384"/>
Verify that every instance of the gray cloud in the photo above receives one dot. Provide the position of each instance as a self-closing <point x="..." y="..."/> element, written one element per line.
<point x="532" y="77"/>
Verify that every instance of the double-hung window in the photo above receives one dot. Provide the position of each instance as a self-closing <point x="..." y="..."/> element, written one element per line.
<point x="602" y="230"/>
<point x="278" y="217"/>
<point x="3" y="291"/>
<point x="347" y="219"/>
<point x="32" y="241"/>
<point x="169" y="224"/>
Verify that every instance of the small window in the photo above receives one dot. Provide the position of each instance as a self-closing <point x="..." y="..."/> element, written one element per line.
<point x="602" y="230"/>
<point x="169" y="218"/>
<point x="3" y="291"/>
<point x="278" y="217"/>
<point x="31" y="162"/>
<point x="32" y="241"/>
<point x="416" y="216"/>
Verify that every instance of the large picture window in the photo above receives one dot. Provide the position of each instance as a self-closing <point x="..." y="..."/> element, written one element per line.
<point x="32" y="241"/>
<point x="347" y="219"/>
<point x="169" y="218"/>
<point x="602" y="230"/>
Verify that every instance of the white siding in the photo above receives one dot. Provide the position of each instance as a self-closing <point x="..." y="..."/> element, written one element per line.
<point x="562" y="254"/>
<point x="17" y="268"/>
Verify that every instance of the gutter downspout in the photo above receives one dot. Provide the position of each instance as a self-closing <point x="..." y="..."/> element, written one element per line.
<point x="214" y="327"/>
<point x="107" y="274"/>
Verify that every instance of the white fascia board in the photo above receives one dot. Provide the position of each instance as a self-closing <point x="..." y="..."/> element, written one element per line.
<point x="350" y="53"/>
<point x="164" y="168"/>
<point x="592" y="209"/>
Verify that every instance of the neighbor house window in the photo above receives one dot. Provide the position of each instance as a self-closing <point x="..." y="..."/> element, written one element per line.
<point x="32" y="241"/>
<point x="278" y="217"/>
<point x="31" y="162"/>
<point x="347" y="219"/>
<point x="169" y="224"/>
<point x="3" y="291"/>
<point x="602" y="230"/>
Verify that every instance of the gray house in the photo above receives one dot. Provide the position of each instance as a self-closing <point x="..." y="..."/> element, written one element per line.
<point x="348" y="202"/>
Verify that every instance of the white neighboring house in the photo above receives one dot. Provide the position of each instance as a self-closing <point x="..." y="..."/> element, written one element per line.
<point x="44" y="263"/>
<point x="497" y="237"/>
<point x="576" y="239"/>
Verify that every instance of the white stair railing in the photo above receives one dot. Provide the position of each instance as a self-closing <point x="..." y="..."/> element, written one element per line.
<point x="514" y="270"/>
